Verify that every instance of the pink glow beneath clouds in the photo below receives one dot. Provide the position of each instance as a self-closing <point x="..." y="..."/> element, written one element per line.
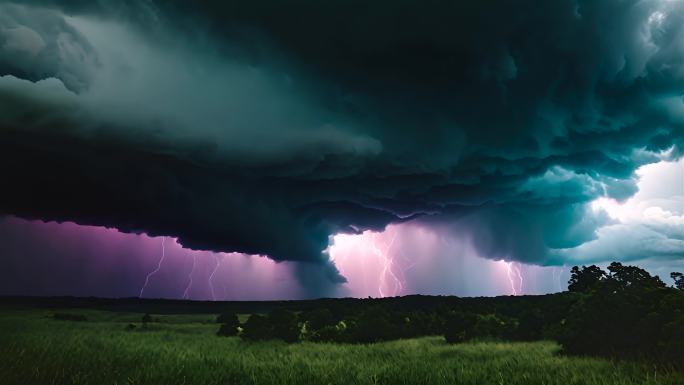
<point x="93" y="257"/>
<point x="403" y="259"/>
<point x="413" y="259"/>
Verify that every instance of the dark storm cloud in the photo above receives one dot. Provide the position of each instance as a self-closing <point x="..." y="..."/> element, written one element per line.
<point x="36" y="44"/>
<point x="264" y="127"/>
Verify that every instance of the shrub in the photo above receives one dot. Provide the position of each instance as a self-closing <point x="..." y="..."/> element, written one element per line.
<point x="330" y="333"/>
<point x="284" y="325"/>
<point x="376" y="324"/>
<point x="230" y="324"/>
<point x="318" y="319"/>
<point x="256" y="328"/>
<point x="227" y="330"/>
<point x="228" y="318"/>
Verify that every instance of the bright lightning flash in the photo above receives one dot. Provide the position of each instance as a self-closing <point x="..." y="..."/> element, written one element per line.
<point x="515" y="277"/>
<point x="153" y="272"/>
<point x="186" y="293"/>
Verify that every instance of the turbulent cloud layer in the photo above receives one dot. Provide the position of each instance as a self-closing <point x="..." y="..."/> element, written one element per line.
<point x="266" y="127"/>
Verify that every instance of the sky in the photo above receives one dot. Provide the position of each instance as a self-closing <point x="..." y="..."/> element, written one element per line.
<point x="301" y="149"/>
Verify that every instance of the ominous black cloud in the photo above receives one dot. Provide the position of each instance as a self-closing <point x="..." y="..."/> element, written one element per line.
<point x="266" y="126"/>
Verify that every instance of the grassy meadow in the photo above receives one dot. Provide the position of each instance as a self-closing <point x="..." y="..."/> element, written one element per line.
<point x="183" y="349"/>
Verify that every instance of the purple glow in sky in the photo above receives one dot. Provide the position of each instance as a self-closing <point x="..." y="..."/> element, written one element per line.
<point x="413" y="259"/>
<point x="410" y="258"/>
<point x="489" y="169"/>
<point x="69" y="259"/>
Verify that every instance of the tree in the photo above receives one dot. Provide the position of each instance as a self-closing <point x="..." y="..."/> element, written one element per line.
<point x="318" y="319"/>
<point x="582" y="280"/>
<point x="228" y="318"/>
<point x="227" y="330"/>
<point x="679" y="279"/>
<point x="284" y="325"/>
<point x="256" y="328"/>
<point x="632" y="277"/>
<point x="376" y="324"/>
<point x="623" y="314"/>
<point x="229" y="325"/>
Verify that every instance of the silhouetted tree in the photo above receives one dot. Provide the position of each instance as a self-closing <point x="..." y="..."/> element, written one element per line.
<point x="679" y="279"/>
<point x="623" y="277"/>
<point x="376" y="324"/>
<point x="318" y="319"/>
<point x="624" y="314"/>
<point x="284" y="325"/>
<point x="228" y="318"/>
<point x="586" y="278"/>
<point x="229" y="325"/>
<point x="256" y="328"/>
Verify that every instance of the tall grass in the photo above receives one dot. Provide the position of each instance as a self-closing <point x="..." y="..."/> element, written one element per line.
<point x="35" y="349"/>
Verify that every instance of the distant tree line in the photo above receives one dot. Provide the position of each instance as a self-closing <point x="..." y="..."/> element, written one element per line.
<point x="623" y="312"/>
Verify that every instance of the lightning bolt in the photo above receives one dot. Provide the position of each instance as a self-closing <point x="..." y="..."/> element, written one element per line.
<point x="382" y="249"/>
<point x="211" y="285"/>
<point x="186" y="293"/>
<point x="153" y="272"/>
<point x="514" y="274"/>
<point x="510" y="277"/>
<point x="388" y="264"/>
<point x="518" y="271"/>
<point x="557" y="274"/>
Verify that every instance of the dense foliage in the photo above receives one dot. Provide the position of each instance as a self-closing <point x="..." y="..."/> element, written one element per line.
<point x="623" y="312"/>
<point x="229" y="324"/>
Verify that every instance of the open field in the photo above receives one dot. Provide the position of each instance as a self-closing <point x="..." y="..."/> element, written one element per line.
<point x="182" y="349"/>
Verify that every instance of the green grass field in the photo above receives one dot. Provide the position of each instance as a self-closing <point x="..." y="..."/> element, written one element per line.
<point x="182" y="349"/>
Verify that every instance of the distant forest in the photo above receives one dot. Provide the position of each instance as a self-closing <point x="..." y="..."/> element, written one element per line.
<point x="624" y="312"/>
